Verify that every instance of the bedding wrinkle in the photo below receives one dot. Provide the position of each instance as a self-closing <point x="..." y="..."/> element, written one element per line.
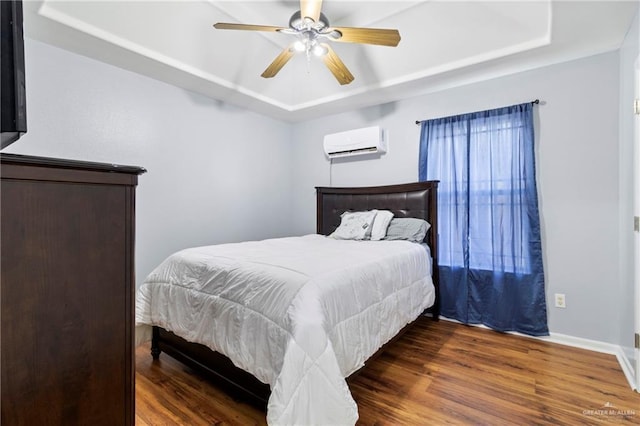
<point x="299" y="313"/>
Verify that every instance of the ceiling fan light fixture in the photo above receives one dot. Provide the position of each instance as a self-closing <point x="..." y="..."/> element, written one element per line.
<point x="299" y="46"/>
<point x="319" y="50"/>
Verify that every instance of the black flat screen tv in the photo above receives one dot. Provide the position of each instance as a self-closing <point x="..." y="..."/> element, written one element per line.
<point x="12" y="90"/>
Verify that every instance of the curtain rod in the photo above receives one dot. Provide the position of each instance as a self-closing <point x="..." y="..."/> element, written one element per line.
<point x="537" y="101"/>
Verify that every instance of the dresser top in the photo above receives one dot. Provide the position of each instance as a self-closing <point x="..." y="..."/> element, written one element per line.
<point x="68" y="164"/>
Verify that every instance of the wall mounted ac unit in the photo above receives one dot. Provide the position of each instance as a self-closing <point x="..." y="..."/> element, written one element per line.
<point x="368" y="140"/>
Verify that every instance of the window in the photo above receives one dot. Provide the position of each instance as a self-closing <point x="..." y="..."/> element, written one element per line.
<point x="489" y="228"/>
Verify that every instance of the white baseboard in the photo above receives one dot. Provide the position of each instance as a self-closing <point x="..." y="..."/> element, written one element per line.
<point x="596" y="346"/>
<point x="579" y="342"/>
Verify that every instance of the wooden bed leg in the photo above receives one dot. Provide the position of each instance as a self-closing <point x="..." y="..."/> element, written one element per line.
<point x="155" y="352"/>
<point x="155" y="344"/>
<point x="435" y="310"/>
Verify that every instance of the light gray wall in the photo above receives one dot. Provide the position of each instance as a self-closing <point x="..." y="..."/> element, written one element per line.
<point x="212" y="167"/>
<point x="215" y="173"/>
<point x="577" y="168"/>
<point x="629" y="58"/>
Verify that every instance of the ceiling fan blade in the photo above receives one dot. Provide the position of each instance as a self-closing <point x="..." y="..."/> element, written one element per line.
<point x="246" y="27"/>
<point x="382" y="37"/>
<point x="279" y="62"/>
<point x="336" y="66"/>
<point x="311" y="9"/>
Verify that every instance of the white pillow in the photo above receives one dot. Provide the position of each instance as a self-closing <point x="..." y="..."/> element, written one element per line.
<point x="380" y="224"/>
<point x="355" y="225"/>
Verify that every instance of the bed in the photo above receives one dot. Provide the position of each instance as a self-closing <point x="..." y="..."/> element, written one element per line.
<point x="290" y="342"/>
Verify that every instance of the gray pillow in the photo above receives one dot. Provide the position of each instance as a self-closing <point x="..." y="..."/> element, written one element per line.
<point x="407" y="228"/>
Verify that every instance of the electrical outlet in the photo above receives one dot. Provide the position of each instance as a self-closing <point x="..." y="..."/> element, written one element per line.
<point x="560" y="301"/>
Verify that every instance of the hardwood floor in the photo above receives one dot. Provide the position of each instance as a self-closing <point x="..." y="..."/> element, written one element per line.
<point x="437" y="373"/>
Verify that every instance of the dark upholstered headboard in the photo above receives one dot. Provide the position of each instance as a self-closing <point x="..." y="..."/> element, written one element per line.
<point x="419" y="200"/>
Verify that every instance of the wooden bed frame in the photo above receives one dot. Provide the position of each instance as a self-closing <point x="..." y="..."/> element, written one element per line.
<point x="418" y="200"/>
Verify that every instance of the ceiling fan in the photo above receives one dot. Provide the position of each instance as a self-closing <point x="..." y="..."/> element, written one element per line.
<point x="311" y="27"/>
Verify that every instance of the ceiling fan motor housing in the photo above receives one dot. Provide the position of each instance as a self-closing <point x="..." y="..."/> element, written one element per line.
<point x="299" y="23"/>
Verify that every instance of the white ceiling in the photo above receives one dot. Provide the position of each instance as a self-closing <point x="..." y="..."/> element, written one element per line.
<point x="444" y="44"/>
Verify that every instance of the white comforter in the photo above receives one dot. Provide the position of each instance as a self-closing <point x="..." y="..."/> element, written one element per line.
<point x="299" y="313"/>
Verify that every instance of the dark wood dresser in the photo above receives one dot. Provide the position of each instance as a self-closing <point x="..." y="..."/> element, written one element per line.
<point x="67" y="292"/>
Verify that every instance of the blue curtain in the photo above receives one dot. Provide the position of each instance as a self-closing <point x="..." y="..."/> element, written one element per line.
<point x="490" y="252"/>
